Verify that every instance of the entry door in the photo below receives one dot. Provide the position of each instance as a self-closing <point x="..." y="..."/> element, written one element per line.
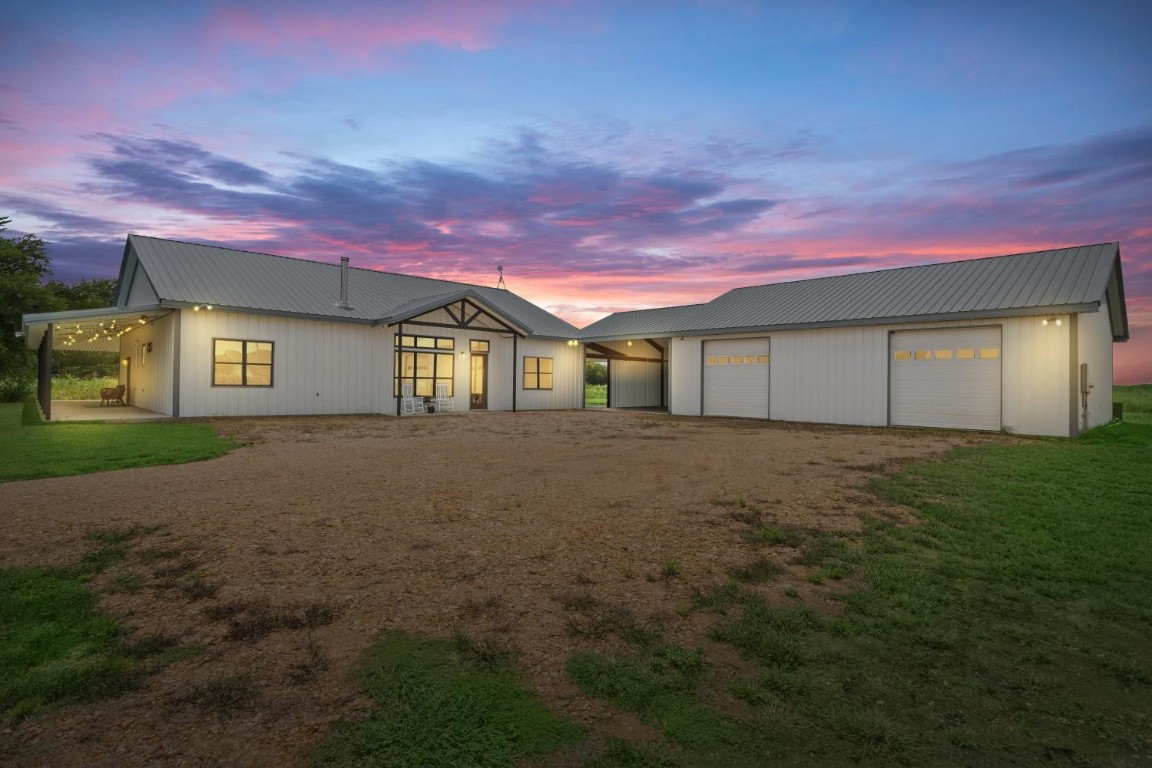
<point x="946" y="377"/>
<point x="478" y="389"/>
<point x="736" y="378"/>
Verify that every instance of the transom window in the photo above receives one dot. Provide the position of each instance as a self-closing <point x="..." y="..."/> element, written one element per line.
<point x="537" y="373"/>
<point x="425" y="342"/>
<point x="425" y="361"/>
<point x="241" y="363"/>
<point x="478" y="346"/>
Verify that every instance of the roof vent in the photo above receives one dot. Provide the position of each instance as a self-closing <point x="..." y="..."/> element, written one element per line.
<point x="343" y="303"/>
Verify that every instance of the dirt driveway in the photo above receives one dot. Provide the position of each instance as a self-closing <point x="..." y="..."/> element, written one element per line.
<point x="476" y="523"/>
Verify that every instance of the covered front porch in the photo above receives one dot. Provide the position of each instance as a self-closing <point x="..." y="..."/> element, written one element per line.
<point x="96" y="330"/>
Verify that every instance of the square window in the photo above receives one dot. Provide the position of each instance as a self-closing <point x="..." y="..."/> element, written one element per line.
<point x="965" y="354"/>
<point x="241" y="363"/>
<point x="902" y="354"/>
<point x="989" y="353"/>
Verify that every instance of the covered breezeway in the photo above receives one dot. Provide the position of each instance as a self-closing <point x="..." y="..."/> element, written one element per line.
<point x="637" y="371"/>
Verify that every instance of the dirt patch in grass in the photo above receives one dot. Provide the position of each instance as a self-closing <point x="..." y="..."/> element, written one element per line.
<point x="536" y="535"/>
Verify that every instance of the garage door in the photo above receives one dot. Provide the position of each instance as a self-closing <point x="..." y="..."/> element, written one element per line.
<point x="946" y="378"/>
<point x="736" y="378"/>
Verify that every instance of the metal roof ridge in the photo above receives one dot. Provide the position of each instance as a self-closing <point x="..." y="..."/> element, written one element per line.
<point x="307" y="260"/>
<point x="915" y="266"/>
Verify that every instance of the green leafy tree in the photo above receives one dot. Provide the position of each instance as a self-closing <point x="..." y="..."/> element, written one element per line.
<point x="96" y="293"/>
<point x="24" y="263"/>
<point x="595" y="373"/>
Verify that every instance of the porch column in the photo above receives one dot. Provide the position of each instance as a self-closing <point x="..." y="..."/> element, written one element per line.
<point x="44" y="373"/>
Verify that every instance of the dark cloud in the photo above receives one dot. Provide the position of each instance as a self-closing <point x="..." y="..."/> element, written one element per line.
<point x="528" y="203"/>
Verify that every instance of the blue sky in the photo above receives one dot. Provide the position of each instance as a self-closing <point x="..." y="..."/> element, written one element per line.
<point x="611" y="155"/>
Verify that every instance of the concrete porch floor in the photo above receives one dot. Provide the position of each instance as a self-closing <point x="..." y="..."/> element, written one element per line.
<point x="91" y="410"/>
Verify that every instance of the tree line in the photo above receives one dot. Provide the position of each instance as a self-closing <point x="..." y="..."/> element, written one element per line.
<point x="26" y="287"/>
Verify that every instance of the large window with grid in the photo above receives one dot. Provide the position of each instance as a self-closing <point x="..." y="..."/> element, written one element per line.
<point x="425" y="361"/>
<point x="241" y="363"/>
<point x="537" y="373"/>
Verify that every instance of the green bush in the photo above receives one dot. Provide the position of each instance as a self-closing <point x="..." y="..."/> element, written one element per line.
<point x="80" y="387"/>
<point x="15" y="388"/>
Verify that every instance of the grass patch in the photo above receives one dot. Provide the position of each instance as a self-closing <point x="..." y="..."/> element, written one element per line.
<point x="57" y="449"/>
<point x="434" y="707"/>
<point x="595" y="395"/>
<point x="1137" y="401"/>
<point x="1009" y="626"/>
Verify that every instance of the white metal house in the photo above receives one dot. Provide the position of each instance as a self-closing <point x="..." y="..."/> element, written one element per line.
<point x="1021" y="342"/>
<point x="206" y="331"/>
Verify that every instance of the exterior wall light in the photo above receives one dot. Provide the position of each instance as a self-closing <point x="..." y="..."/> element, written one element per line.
<point x="143" y="319"/>
<point x="1052" y="321"/>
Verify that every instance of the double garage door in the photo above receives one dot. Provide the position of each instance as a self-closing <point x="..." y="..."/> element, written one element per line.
<point x="945" y="378"/>
<point x="736" y="376"/>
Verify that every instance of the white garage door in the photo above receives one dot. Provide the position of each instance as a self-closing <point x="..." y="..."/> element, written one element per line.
<point x="946" y="378"/>
<point x="736" y="378"/>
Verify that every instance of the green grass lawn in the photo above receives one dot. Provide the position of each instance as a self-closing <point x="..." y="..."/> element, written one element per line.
<point x="1010" y="627"/>
<point x="56" y="646"/>
<point x="595" y="395"/>
<point x="1137" y="402"/>
<point x="55" y="449"/>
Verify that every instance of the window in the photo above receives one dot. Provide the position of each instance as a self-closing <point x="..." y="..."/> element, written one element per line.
<point x="902" y="354"/>
<point x="241" y="363"/>
<point x="923" y="354"/>
<point x="965" y="354"/>
<point x="425" y="361"/>
<point x="478" y="347"/>
<point x="763" y="359"/>
<point x="712" y="360"/>
<point x="537" y="373"/>
<point x="943" y="354"/>
<point x="989" y="353"/>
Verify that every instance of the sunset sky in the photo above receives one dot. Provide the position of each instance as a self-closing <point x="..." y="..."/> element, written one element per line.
<point x="610" y="155"/>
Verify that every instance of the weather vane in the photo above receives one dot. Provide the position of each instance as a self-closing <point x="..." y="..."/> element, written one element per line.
<point x="500" y="283"/>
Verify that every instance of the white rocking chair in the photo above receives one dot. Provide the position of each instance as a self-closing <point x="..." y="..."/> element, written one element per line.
<point x="409" y="403"/>
<point x="441" y="402"/>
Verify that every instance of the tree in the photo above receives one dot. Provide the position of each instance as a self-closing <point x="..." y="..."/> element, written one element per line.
<point x="595" y="372"/>
<point x="24" y="262"/>
<point x="96" y="293"/>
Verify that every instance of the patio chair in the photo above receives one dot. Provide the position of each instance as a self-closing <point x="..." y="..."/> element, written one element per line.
<point x="409" y="403"/>
<point x="112" y="395"/>
<point x="441" y="402"/>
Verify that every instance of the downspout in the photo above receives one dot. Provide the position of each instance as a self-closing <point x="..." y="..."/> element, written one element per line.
<point x="515" y="354"/>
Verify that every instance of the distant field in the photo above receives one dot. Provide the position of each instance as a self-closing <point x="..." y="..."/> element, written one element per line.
<point x="595" y="395"/>
<point x="1137" y="402"/>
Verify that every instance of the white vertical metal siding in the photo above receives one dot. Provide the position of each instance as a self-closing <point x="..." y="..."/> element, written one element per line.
<point x="1036" y="370"/>
<point x="831" y="376"/>
<point x="634" y="383"/>
<point x="318" y="366"/>
<point x="934" y="382"/>
<point x="567" y="375"/>
<point x="684" y="372"/>
<point x="151" y="381"/>
<point x="734" y="388"/>
<point x="1094" y="337"/>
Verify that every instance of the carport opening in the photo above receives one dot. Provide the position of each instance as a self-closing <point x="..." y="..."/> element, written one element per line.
<point x="596" y="384"/>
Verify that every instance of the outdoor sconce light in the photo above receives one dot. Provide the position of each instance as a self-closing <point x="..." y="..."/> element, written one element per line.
<point x="199" y="307"/>
<point x="143" y="319"/>
<point x="1052" y="321"/>
<point x="629" y="342"/>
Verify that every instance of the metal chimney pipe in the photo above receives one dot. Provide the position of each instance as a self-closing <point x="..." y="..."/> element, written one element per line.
<point x="343" y="283"/>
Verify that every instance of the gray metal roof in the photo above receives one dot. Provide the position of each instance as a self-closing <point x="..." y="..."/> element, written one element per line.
<point x="204" y="274"/>
<point x="1061" y="280"/>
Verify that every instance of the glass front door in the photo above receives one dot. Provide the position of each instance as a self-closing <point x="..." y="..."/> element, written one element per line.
<point x="479" y="386"/>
